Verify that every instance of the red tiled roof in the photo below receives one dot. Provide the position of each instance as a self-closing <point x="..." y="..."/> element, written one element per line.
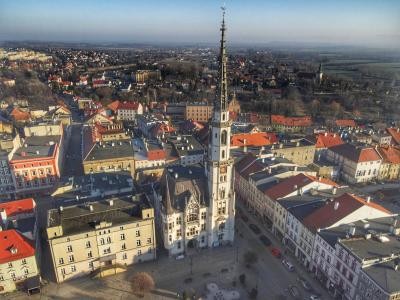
<point x="16" y="207"/>
<point x="128" y="105"/>
<point x="327" y="140"/>
<point x="390" y="154"/>
<point x="253" y="139"/>
<point x="345" y="123"/>
<point x="156" y="154"/>
<point x="291" y="121"/>
<point x="11" y="239"/>
<point x="287" y="186"/>
<point x="356" y="154"/>
<point x="345" y="204"/>
<point x="395" y="133"/>
<point x="161" y="128"/>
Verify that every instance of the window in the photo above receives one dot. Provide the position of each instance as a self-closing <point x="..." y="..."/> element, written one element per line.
<point x="108" y="240"/>
<point x="26" y="271"/>
<point x="203" y="215"/>
<point x="63" y="271"/>
<point x="223" y="154"/>
<point x="91" y="264"/>
<point x="73" y="268"/>
<point x="139" y="252"/>
<point x="148" y="240"/>
<point x="106" y="251"/>
<point x="89" y="255"/>
<point x="13" y="275"/>
<point x="101" y="241"/>
<point x="24" y="261"/>
<point x="1" y="278"/>
<point x="88" y="244"/>
<point x="61" y="261"/>
<point x="124" y="256"/>
<point x="178" y="220"/>
<point x="192" y="230"/>
<point x="179" y="245"/>
<point x="71" y="258"/>
<point x="122" y="236"/>
<point x="10" y="265"/>
<point x="178" y="233"/>
<point x="69" y="248"/>
<point x="137" y="233"/>
<point x="203" y="226"/>
<point x="138" y="243"/>
<point x="223" y="137"/>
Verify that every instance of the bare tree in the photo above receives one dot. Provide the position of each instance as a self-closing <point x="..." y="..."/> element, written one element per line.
<point x="142" y="283"/>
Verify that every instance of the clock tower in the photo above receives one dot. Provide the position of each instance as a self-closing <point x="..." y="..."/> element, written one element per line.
<point x="219" y="167"/>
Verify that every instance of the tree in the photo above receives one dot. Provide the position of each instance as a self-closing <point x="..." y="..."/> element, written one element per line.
<point x="142" y="283"/>
<point x="250" y="258"/>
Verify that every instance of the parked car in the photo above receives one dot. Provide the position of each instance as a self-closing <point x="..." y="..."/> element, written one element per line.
<point x="244" y="218"/>
<point x="266" y="241"/>
<point x="314" y="297"/>
<point x="304" y="283"/>
<point x="276" y="252"/>
<point x="288" y="265"/>
<point x="179" y="257"/>
<point x="255" y="228"/>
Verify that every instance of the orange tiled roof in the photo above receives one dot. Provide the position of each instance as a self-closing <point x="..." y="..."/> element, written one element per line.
<point x="345" y="204"/>
<point x="356" y="154"/>
<point x="114" y="105"/>
<point x="20" y="115"/>
<point x="390" y="154"/>
<point x="345" y="123"/>
<point x="257" y="139"/>
<point x="395" y="133"/>
<point x="16" y="207"/>
<point x="11" y="239"/>
<point x="327" y="140"/>
<point x="291" y="121"/>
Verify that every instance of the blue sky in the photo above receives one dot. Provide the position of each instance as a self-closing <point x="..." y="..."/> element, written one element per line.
<point x="353" y="22"/>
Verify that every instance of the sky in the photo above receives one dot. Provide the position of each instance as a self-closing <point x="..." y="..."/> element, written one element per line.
<point x="374" y="23"/>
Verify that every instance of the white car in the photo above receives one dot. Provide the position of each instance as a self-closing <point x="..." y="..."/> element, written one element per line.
<point x="288" y="265"/>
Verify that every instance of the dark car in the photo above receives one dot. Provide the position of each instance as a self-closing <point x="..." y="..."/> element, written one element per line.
<point x="244" y="218"/>
<point x="255" y="228"/>
<point x="266" y="241"/>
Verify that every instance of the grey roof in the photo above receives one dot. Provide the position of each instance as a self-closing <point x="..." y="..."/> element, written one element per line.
<point x="302" y="206"/>
<point x="179" y="183"/>
<point x="110" y="150"/>
<point x="362" y="227"/>
<point x="80" y="218"/>
<point x="385" y="275"/>
<point x="186" y="145"/>
<point x="37" y="146"/>
<point x="23" y="225"/>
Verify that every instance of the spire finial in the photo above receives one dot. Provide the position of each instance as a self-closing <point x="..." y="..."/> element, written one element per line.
<point x="221" y="103"/>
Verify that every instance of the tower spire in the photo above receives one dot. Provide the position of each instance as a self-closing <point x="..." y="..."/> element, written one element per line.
<point x="222" y="95"/>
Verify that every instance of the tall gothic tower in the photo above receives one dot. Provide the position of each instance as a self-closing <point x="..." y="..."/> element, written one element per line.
<point x="219" y="166"/>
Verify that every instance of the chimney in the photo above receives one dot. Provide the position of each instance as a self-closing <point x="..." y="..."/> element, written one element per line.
<point x="176" y="175"/>
<point x="352" y="230"/>
<point x="37" y="152"/>
<point x="280" y="146"/>
<point x="3" y="215"/>
<point x="61" y="209"/>
<point x="336" y="206"/>
<point x="326" y="134"/>
<point x="368" y="200"/>
<point x="111" y="202"/>
<point x="334" y="190"/>
<point x="91" y="207"/>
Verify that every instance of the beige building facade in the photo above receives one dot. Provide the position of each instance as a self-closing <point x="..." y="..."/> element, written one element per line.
<point x="198" y="112"/>
<point x="82" y="245"/>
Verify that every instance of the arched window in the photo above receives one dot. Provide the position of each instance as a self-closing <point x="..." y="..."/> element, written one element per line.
<point x="223" y="154"/>
<point x="224" y="135"/>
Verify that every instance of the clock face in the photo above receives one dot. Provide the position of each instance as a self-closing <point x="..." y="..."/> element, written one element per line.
<point x="223" y="169"/>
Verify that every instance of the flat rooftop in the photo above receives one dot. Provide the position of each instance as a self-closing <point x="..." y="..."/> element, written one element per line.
<point x="36" y="147"/>
<point x="85" y="217"/>
<point x="110" y="150"/>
